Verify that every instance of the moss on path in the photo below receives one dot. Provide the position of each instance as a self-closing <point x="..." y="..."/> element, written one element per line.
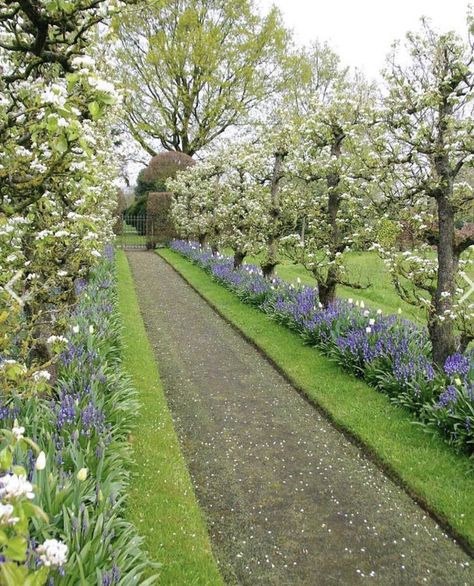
<point x="288" y="499"/>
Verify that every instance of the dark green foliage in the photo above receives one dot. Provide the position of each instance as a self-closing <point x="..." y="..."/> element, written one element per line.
<point x="153" y="179"/>
<point x="144" y="186"/>
<point x="160" y="225"/>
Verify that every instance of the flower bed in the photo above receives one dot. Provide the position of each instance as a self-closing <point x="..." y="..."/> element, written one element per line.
<point x="79" y="480"/>
<point x="390" y="353"/>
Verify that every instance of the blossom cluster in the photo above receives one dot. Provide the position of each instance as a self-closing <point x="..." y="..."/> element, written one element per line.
<point x="391" y="353"/>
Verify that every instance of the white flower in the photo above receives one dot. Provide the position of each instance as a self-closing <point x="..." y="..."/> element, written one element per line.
<point x="18" y="431"/>
<point x="91" y="329"/>
<point x="41" y="375"/>
<point x="52" y="553"/>
<point x="351" y="301"/>
<point x="362" y="304"/>
<point x="53" y="339"/>
<point x="82" y="474"/>
<point x="366" y="313"/>
<point x="14" y="486"/>
<point x="368" y="329"/>
<point x="83" y="62"/>
<point x="379" y="312"/>
<point x="399" y="311"/>
<point x="6" y="512"/>
<point x="371" y="322"/>
<point x="101" y="85"/>
<point x="75" y="329"/>
<point x="41" y="461"/>
<point x="96" y="253"/>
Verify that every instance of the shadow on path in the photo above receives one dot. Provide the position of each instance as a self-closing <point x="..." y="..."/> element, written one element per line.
<point x="288" y="499"/>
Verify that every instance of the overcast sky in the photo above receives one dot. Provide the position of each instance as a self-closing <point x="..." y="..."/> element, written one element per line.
<point x="361" y="31"/>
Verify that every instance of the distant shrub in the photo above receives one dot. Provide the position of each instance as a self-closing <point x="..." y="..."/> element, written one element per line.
<point x="152" y="179"/>
<point x="165" y="166"/>
<point x="161" y="228"/>
<point x="143" y="186"/>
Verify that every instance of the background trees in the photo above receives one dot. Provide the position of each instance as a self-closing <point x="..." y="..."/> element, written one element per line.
<point x="194" y="69"/>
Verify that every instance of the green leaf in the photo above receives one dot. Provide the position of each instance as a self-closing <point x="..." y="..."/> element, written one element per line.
<point x="38" y="578"/>
<point x="16" y="548"/>
<point x="94" y="109"/>
<point x="61" y="145"/>
<point x="52" y="125"/>
<point x="6" y="459"/>
<point x="13" y="575"/>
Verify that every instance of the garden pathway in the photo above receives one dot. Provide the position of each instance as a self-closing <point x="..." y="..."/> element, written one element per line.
<point x="288" y="499"/>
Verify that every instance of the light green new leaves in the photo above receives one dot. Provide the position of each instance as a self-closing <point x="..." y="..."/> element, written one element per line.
<point x="193" y="69"/>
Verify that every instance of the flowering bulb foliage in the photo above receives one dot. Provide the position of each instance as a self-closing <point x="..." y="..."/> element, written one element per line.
<point x="20" y="563"/>
<point x="426" y="152"/>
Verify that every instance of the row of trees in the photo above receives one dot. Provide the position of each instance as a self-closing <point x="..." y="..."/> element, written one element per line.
<point x="339" y="167"/>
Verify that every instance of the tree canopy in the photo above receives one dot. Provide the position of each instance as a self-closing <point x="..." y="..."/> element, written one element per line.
<point x="195" y="68"/>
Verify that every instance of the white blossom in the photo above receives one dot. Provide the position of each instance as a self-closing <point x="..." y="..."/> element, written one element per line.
<point x="52" y="553"/>
<point x="14" y="486"/>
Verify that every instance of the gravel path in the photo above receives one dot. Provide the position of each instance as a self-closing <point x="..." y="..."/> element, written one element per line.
<point x="288" y="499"/>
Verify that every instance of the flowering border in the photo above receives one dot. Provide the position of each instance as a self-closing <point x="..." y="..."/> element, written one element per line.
<point x="83" y="427"/>
<point x="392" y="354"/>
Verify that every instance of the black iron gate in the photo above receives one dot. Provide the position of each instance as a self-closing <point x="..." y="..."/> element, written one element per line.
<point x="134" y="232"/>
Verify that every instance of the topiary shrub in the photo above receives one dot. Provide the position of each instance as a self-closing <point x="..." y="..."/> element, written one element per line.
<point x="164" y="166"/>
<point x="160" y="227"/>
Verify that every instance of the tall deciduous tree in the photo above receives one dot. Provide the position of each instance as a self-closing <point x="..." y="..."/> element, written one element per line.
<point x="427" y="147"/>
<point x="194" y="68"/>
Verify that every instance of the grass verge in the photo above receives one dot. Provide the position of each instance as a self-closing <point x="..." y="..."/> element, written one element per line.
<point x="427" y="468"/>
<point x="161" y="501"/>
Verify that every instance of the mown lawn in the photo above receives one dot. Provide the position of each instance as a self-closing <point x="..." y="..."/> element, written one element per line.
<point x="430" y="470"/>
<point x="161" y="502"/>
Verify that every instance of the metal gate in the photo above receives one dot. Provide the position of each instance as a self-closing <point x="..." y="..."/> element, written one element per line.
<point x="134" y="232"/>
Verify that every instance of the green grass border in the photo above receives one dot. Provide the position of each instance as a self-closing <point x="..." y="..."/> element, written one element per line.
<point x="161" y="501"/>
<point x="436" y="477"/>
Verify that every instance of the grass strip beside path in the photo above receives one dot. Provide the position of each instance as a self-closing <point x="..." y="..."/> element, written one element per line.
<point x="161" y="501"/>
<point x="429" y="470"/>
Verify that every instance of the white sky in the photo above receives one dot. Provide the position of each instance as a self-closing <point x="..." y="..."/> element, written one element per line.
<point x="362" y="31"/>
